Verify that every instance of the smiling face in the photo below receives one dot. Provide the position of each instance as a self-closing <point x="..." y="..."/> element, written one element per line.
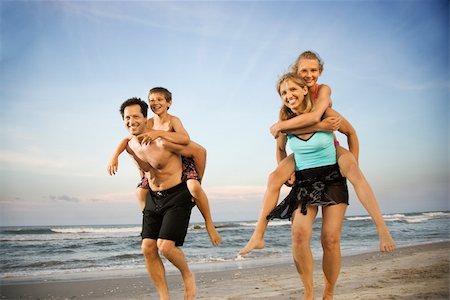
<point x="309" y="70"/>
<point x="158" y="103"/>
<point x="134" y="120"/>
<point x="292" y="95"/>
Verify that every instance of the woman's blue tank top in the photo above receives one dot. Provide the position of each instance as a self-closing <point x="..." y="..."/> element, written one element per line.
<point x="317" y="151"/>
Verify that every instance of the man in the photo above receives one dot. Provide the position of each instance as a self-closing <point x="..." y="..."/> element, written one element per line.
<point x="168" y="205"/>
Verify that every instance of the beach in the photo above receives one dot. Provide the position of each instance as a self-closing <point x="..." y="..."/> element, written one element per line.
<point x="411" y="272"/>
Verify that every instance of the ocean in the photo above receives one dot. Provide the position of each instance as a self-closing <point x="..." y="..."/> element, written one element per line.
<point x="42" y="252"/>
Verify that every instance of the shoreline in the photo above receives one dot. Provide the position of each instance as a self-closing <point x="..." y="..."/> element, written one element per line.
<point x="411" y="272"/>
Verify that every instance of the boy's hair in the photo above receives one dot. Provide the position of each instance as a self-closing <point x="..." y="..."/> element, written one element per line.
<point x="307" y="55"/>
<point x="134" y="101"/>
<point x="307" y="104"/>
<point x="167" y="94"/>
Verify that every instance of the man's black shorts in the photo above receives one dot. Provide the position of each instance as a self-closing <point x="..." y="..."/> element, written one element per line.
<point x="166" y="214"/>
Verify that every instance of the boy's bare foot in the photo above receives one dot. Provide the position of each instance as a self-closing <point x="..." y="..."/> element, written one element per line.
<point x="387" y="243"/>
<point x="214" y="236"/>
<point x="190" y="287"/>
<point x="254" y="243"/>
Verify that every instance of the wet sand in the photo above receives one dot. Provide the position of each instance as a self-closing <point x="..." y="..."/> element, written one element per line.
<point x="416" y="272"/>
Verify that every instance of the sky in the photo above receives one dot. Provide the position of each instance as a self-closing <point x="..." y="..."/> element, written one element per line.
<point x="66" y="66"/>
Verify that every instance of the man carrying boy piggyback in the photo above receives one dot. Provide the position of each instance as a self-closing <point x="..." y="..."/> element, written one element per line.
<point x="168" y="205"/>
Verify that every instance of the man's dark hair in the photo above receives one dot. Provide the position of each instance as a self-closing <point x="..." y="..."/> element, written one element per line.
<point x="134" y="101"/>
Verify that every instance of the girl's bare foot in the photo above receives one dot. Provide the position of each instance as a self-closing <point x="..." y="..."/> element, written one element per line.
<point x="253" y="243"/>
<point x="214" y="236"/>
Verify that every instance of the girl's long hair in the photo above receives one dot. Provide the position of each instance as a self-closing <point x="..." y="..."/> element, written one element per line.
<point x="307" y="105"/>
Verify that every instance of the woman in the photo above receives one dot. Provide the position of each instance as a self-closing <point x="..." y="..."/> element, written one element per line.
<point x="318" y="183"/>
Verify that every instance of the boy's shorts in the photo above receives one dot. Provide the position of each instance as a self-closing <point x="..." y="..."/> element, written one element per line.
<point x="189" y="171"/>
<point x="166" y="214"/>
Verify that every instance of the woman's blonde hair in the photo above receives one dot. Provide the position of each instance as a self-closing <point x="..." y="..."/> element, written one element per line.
<point x="307" y="104"/>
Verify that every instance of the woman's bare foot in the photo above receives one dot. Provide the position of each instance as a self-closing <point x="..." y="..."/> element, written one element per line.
<point x="253" y="243"/>
<point x="190" y="287"/>
<point x="308" y="296"/>
<point x="214" y="236"/>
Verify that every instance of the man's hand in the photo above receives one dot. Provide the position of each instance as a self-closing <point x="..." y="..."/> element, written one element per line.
<point x="113" y="166"/>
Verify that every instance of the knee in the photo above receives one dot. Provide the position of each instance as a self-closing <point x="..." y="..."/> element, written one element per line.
<point x="300" y="237"/>
<point x="330" y="241"/>
<point x="198" y="149"/>
<point x="165" y="247"/>
<point x="202" y="151"/>
<point x="274" y="181"/>
<point x="194" y="186"/>
<point x="349" y="166"/>
<point x="149" y="249"/>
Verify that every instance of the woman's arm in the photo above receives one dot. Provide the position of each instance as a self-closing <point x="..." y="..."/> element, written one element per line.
<point x="347" y="129"/>
<point x="281" y="147"/>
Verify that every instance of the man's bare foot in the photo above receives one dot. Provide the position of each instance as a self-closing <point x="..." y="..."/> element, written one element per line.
<point x="190" y="287"/>
<point x="254" y="243"/>
<point x="214" y="236"/>
<point x="387" y="243"/>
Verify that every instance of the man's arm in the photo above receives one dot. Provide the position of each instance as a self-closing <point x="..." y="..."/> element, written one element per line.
<point x="113" y="164"/>
<point x="143" y="166"/>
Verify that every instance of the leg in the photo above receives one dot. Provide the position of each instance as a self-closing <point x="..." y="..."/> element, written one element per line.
<point x="301" y="249"/>
<point x="276" y="180"/>
<point x="332" y="219"/>
<point x="201" y="200"/>
<point x="350" y="169"/>
<point x="155" y="267"/>
<point x="193" y="150"/>
<point x="198" y="153"/>
<point x="141" y="195"/>
<point x="176" y="256"/>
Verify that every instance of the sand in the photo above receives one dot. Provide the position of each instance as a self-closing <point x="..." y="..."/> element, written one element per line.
<point x="415" y="272"/>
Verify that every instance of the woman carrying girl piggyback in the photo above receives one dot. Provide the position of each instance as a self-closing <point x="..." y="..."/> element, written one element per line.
<point x="319" y="164"/>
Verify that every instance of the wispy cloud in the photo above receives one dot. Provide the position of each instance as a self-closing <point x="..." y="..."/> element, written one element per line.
<point x="241" y="193"/>
<point x="39" y="162"/>
<point x="174" y="16"/>
<point x="112" y="197"/>
<point x="64" y="198"/>
<point x="31" y="160"/>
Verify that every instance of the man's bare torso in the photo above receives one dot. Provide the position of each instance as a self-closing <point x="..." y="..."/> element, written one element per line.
<point x="164" y="165"/>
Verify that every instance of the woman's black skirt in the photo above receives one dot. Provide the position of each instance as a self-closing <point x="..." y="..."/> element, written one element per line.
<point x="321" y="186"/>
